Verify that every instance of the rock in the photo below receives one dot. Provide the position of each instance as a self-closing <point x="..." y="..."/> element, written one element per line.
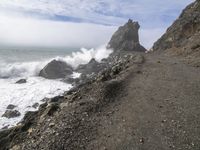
<point x="126" y="38"/>
<point x="36" y="105"/>
<point x="116" y="70"/>
<point x="92" y="67"/>
<point x="71" y="80"/>
<point x="56" y="99"/>
<point x="51" y="109"/>
<point x="11" y="106"/>
<point x="55" y="70"/>
<point x="142" y="140"/>
<point x="51" y="125"/>
<point x="30" y="131"/>
<point x="21" y="81"/>
<point x="11" y="114"/>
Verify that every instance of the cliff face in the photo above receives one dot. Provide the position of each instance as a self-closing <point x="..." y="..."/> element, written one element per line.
<point x="126" y="38"/>
<point x="183" y="37"/>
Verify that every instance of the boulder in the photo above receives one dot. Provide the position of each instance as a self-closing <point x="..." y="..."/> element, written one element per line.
<point x="21" y="81"/>
<point x="11" y="106"/>
<point x="126" y="38"/>
<point x="11" y="114"/>
<point x="92" y="67"/>
<point x="56" y="69"/>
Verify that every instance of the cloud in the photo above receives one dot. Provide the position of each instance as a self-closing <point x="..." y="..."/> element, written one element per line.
<point x="46" y="33"/>
<point x="112" y="12"/>
<point x="87" y="23"/>
<point x="19" y="31"/>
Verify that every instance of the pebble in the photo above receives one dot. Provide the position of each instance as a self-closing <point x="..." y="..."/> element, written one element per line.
<point x="142" y="140"/>
<point x="51" y="124"/>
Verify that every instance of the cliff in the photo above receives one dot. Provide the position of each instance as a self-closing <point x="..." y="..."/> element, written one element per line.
<point x="183" y="36"/>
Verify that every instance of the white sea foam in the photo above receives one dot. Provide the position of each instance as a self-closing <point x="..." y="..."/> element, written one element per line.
<point x="25" y="95"/>
<point x="26" y="69"/>
<point x="36" y="88"/>
<point x="84" y="56"/>
<point x="23" y="69"/>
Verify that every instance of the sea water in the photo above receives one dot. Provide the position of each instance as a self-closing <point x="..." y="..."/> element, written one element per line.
<point x="26" y="64"/>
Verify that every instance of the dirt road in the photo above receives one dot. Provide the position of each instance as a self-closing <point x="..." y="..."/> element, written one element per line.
<point x="159" y="112"/>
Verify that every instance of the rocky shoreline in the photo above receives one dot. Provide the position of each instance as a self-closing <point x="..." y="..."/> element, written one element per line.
<point x="74" y="105"/>
<point x="100" y="76"/>
<point x="131" y="100"/>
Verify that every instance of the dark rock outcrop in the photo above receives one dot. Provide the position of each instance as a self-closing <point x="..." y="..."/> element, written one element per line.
<point x="11" y="106"/>
<point x="92" y="67"/>
<point x="11" y="114"/>
<point x="183" y="37"/>
<point x="55" y="70"/>
<point x="21" y="81"/>
<point x="35" y="105"/>
<point x="126" y="38"/>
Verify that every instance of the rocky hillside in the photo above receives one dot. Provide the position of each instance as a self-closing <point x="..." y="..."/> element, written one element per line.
<point x="70" y="121"/>
<point x="183" y="37"/>
<point x="130" y="101"/>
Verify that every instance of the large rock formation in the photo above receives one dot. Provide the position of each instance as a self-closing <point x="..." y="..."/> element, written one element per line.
<point x="183" y="37"/>
<point x="92" y="67"/>
<point x="55" y="70"/>
<point x="126" y="38"/>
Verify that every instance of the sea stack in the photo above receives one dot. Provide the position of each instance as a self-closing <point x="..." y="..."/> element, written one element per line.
<point x="126" y="38"/>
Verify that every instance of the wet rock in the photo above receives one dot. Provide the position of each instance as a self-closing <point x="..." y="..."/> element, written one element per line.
<point x="11" y="106"/>
<point x="11" y="114"/>
<point x="21" y="81"/>
<point x="55" y="70"/>
<point x="36" y="105"/>
<point x="72" y="81"/>
<point x="92" y="67"/>
<point x="56" y="99"/>
<point x="126" y="38"/>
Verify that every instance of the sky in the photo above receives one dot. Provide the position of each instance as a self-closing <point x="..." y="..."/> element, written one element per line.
<point x="82" y="23"/>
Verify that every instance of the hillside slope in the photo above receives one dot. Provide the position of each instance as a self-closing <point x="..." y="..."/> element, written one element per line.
<point x="183" y="36"/>
<point x="140" y="102"/>
<point x="152" y="105"/>
<point x="160" y="110"/>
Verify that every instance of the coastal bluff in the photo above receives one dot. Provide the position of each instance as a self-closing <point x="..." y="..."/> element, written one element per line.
<point x="140" y="101"/>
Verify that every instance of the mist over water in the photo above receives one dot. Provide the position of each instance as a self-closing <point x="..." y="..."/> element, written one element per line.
<point x="26" y="64"/>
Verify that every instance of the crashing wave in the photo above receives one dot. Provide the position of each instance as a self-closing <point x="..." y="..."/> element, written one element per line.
<point x="27" y="69"/>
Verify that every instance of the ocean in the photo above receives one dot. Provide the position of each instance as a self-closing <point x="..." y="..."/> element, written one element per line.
<point x="26" y="64"/>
